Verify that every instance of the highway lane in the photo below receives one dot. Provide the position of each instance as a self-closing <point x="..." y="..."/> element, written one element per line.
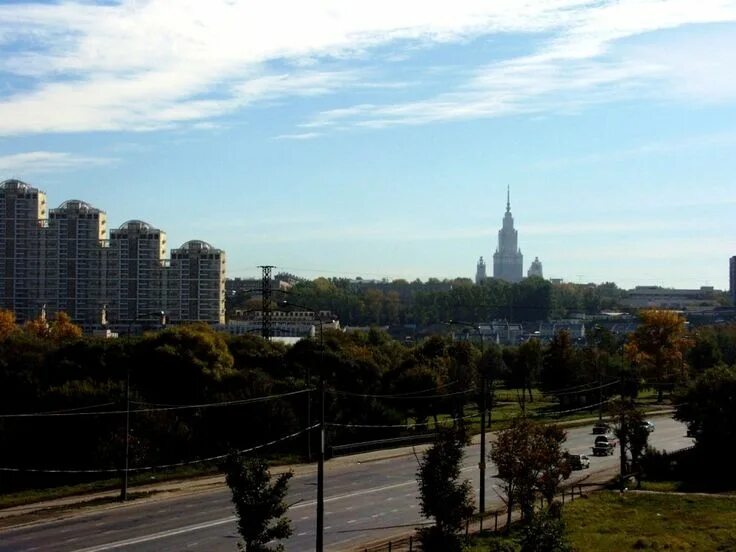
<point x="364" y="501"/>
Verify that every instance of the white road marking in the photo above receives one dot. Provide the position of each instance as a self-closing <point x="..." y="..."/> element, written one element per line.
<point x="160" y="535"/>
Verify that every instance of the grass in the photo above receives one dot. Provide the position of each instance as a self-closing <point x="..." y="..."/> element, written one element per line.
<point x="607" y="521"/>
<point x="610" y="521"/>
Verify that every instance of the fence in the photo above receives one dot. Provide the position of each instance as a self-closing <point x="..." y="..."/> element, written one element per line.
<point x="493" y="521"/>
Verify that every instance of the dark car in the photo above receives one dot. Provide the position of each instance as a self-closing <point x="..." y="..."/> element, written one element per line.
<point x="603" y="448"/>
<point x="578" y="461"/>
<point x="601" y="427"/>
<point x="607" y="439"/>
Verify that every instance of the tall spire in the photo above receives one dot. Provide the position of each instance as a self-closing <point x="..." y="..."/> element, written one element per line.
<point x="508" y="198"/>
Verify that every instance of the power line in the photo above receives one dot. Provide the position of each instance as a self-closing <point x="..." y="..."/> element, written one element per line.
<point x="401" y="426"/>
<point x="402" y="396"/>
<point x="163" y="466"/>
<point x="157" y="409"/>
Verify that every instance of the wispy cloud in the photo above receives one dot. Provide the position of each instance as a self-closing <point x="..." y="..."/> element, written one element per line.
<point x="299" y="136"/>
<point x="37" y="162"/>
<point x="153" y="64"/>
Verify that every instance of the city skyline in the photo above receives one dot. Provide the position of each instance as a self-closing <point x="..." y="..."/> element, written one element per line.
<point x="379" y="140"/>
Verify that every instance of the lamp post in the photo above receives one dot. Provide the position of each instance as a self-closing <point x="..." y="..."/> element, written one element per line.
<point x="124" y="483"/>
<point x="482" y="463"/>
<point x="321" y="454"/>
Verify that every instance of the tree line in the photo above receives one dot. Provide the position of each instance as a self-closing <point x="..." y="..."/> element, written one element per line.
<point x="198" y="394"/>
<point x="434" y="302"/>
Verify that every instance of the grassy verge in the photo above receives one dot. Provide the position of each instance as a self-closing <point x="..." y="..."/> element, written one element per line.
<point x="607" y="520"/>
<point x="610" y="521"/>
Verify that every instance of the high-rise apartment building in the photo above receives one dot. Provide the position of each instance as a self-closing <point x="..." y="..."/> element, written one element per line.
<point x="23" y="211"/>
<point x="135" y="268"/>
<point x="508" y="262"/>
<point x="195" y="283"/>
<point x="61" y="260"/>
<point x="73" y="266"/>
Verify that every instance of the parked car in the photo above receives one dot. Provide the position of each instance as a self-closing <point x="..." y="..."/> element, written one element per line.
<point x="578" y="461"/>
<point x="601" y="427"/>
<point x="603" y="448"/>
<point x="607" y="439"/>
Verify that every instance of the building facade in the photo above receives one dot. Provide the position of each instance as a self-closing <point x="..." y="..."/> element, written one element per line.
<point x="535" y="269"/>
<point x="195" y="283"/>
<point x="135" y="269"/>
<point x="24" y="212"/>
<point x="61" y="260"/>
<point x="480" y="271"/>
<point x="508" y="262"/>
<point x="73" y="265"/>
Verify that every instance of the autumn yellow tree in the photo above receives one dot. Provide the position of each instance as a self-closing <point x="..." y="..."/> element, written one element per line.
<point x="7" y="324"/>
<point x="61" y="328"/>
<point x="660" y="345"/>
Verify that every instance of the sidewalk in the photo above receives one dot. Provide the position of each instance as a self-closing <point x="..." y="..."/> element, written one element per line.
<point x="73" y="505"/>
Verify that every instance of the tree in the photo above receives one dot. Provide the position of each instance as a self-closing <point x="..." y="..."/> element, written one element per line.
<point x="659" y="345"/>
<point x="545" y="532"/>
<point x="442" y="496"/>
<point x="560" y="365"/>
<point x="631" y="431"/>
<point x="63" y="329"/>
<point x="708" y="407"/>
<point x="259" y="505"/>
<point x="7" y="324"/>
<point x="529" y="459"/>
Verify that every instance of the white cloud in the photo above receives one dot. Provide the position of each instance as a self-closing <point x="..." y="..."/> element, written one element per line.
<point x="298" y="136"/>
<point x="149" y="64"/>
<point x="35" y="162"/>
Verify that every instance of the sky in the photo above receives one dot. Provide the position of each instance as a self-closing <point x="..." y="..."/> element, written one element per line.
<point x="377" y="139"/>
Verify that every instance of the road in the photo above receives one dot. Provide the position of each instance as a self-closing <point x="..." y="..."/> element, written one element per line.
<point x="364" y="501"/>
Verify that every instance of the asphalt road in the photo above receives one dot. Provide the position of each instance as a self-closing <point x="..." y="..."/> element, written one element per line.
<point x="364" y="501"/>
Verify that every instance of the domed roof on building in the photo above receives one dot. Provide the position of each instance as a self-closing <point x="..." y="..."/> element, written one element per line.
<point x="15" y="184"/>
<point x="197" y="245"/>
<point x="135" y="224"/>
<point x="77" y="205"/>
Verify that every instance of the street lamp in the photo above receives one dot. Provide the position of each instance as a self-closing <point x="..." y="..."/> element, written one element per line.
<point x="482" y="463"/>
<point x="124" y="483"/>
<point x="321" y="454"/>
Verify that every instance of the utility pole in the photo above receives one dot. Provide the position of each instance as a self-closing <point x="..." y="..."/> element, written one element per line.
<point x="321" y="467"/>
<point x="622" y="422"/>
<point x="482" y="464"/>
<point x="126" y="468"/>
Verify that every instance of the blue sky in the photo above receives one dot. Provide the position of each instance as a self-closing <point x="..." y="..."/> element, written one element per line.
<point x="377" y="138"/>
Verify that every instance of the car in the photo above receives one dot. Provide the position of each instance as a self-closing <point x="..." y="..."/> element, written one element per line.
<point x="606" y="439"/>
<point x="649" y="426"/>
<point x="603" y="448"/>
<point x="578" y="461"/>
<point x="601" y="427"/>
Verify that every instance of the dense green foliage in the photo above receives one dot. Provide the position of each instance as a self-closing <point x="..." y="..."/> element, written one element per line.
<point x="434" y="302"/>
<point x="442" y="496"/>
<point x="259" y="504"/>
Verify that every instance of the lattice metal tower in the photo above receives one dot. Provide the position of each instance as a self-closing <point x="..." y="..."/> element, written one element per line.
<point x="266" y="314"/>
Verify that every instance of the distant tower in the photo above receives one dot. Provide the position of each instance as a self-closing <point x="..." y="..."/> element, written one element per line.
<point x="480" y="271"/>
<point x="508" y="262"/>
<point x="535" y="269"/>
<point x="732" y="279"/>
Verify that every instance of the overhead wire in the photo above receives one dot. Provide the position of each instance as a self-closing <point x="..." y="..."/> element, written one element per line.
<point x="156" y="409"/>
<point x="163" y="466"/>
